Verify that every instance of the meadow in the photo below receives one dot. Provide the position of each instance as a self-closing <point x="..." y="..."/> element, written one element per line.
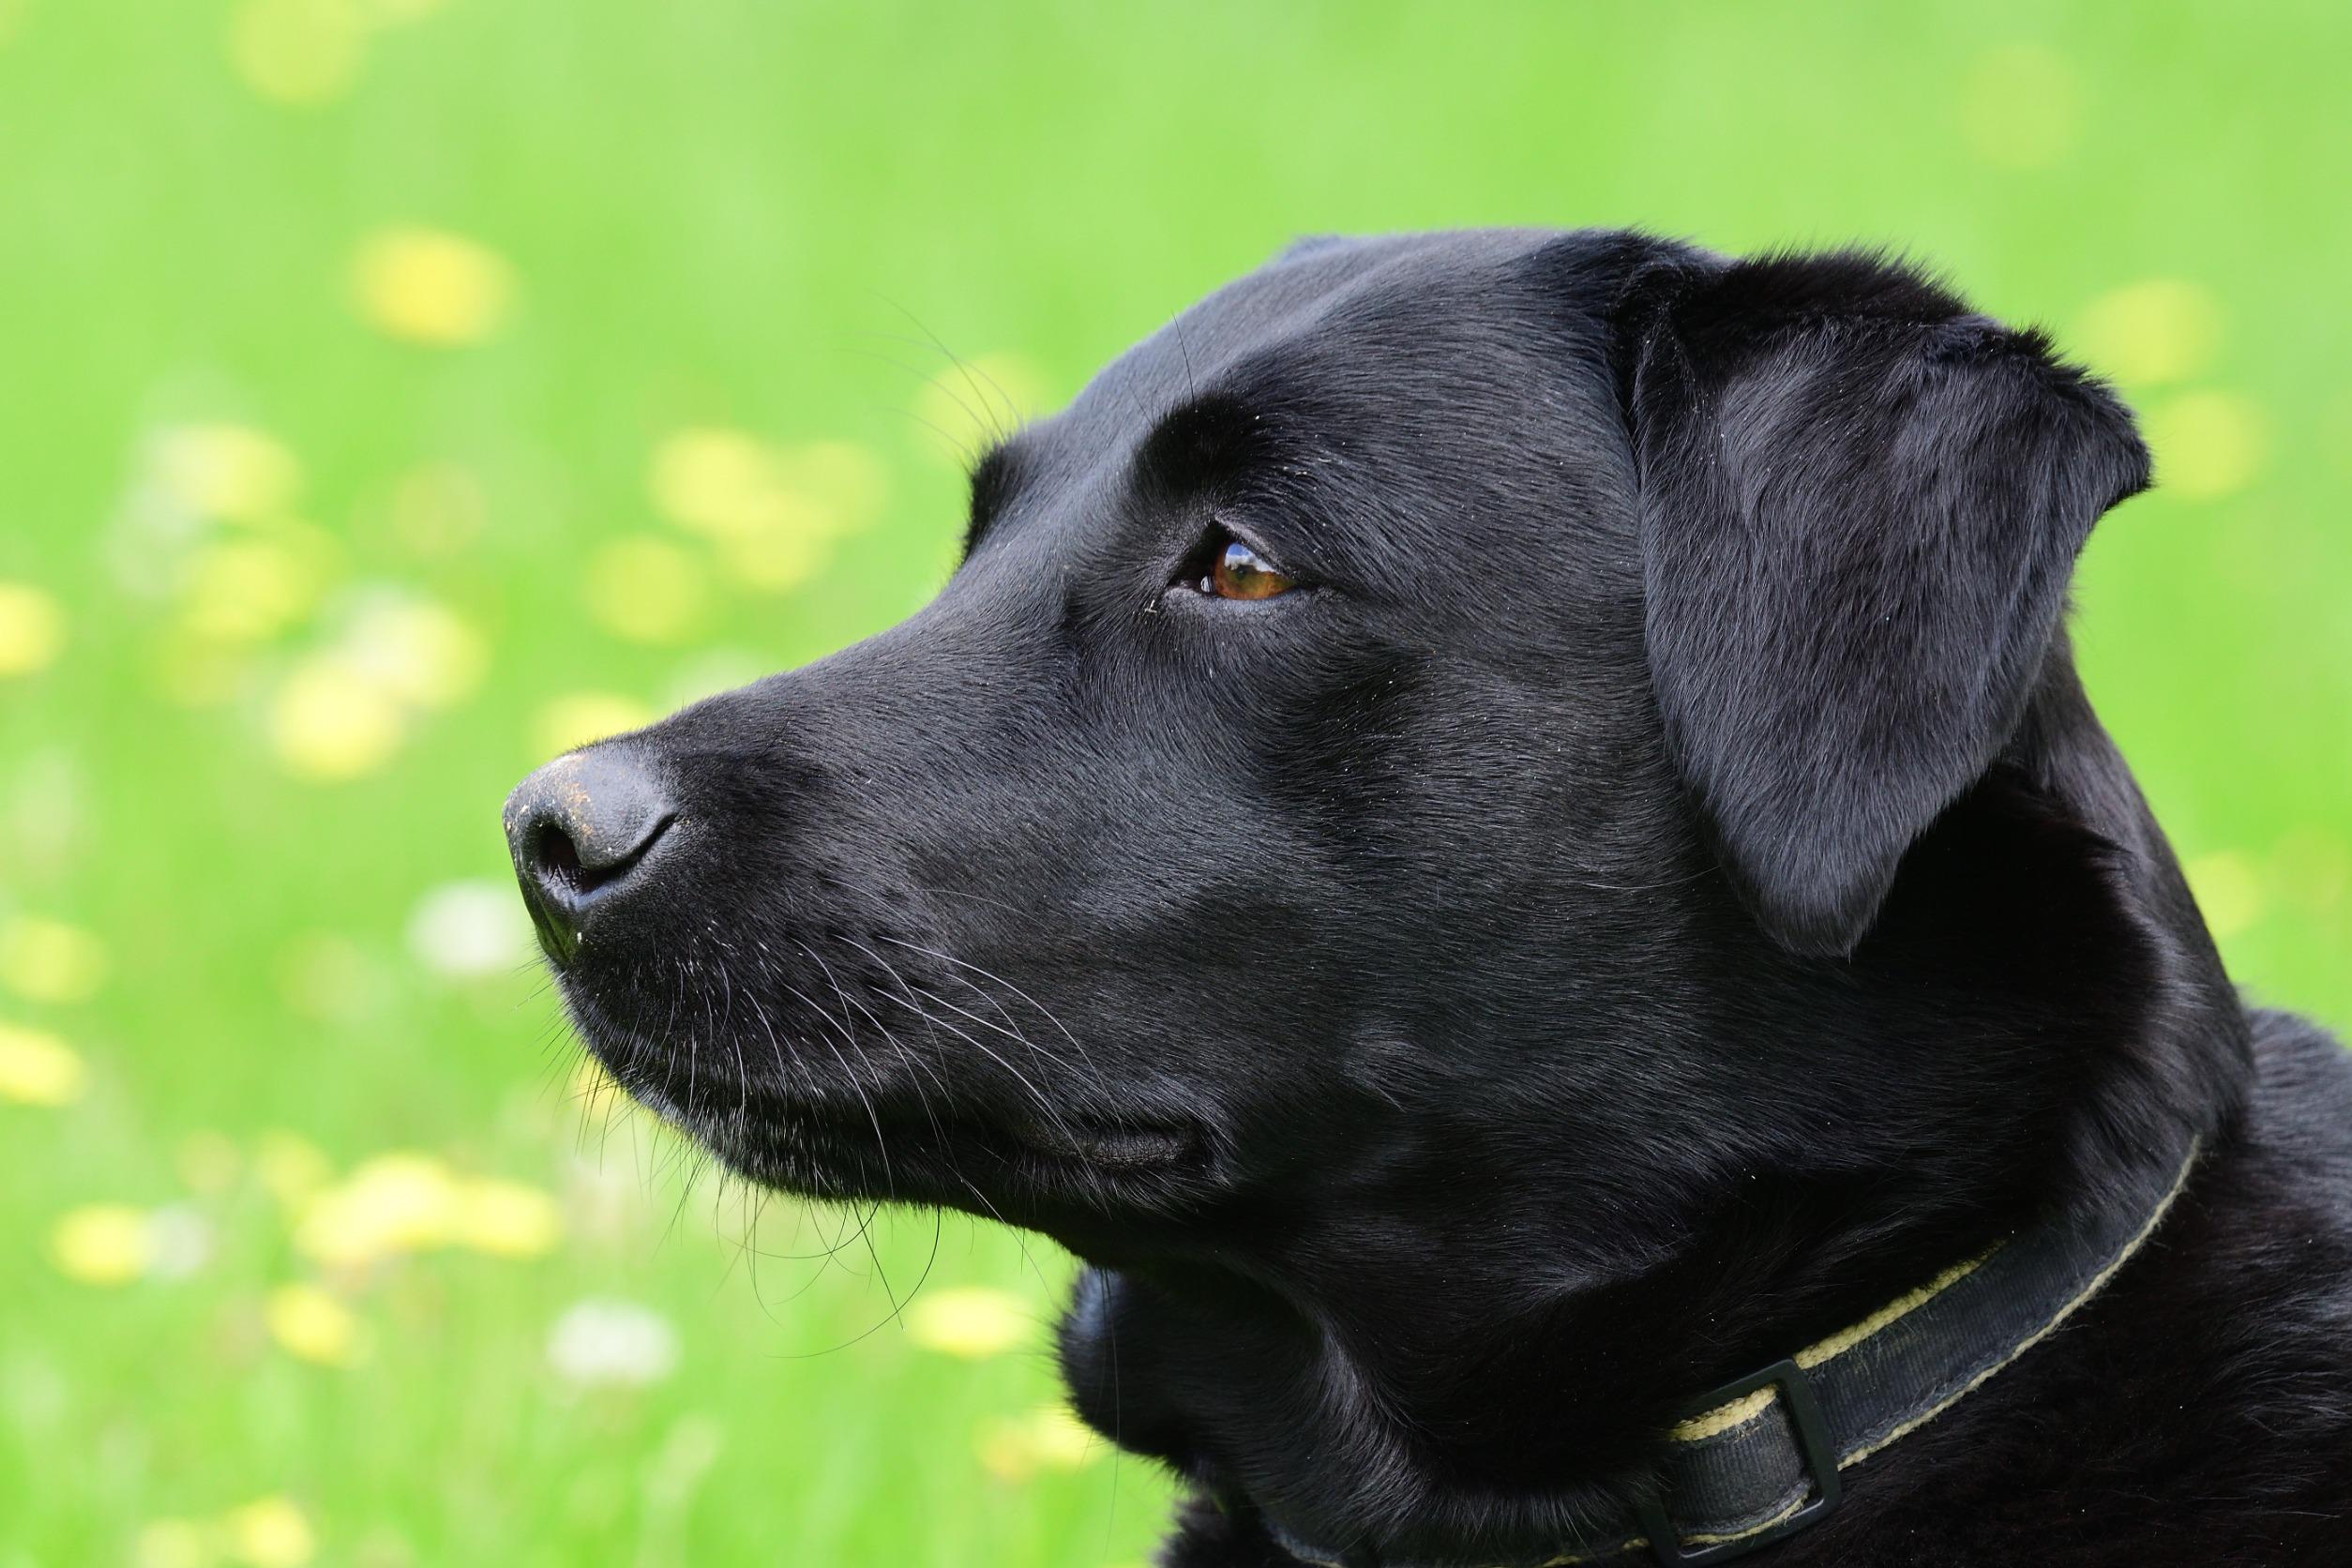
<point x="401" y="391"/>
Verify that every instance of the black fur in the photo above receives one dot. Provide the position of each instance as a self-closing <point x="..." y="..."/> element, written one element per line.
<point x="1655" y="892"/>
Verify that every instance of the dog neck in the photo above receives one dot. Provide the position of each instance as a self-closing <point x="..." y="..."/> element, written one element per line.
<point x="1458" y="1401"/>
<point x="1764" y="1456"/>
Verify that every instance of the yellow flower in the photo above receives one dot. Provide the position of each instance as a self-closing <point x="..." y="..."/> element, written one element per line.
<point x="568" y="723"/>
<point x="269" y="1532"/>
<point x="2208" y="444"/>
<point x="432" y="286"/>
<point x="974" y="1321"/>
<point x="103" y="1243"/>
<point x="231" y="472"/>
<point x="413" y="1202"/>
<point x="647" y="590"/>
<point x="2163" y="329"/>
<point x="714" y="481"/>
<point x="332" y="721"/>
<point x="507" y="1219"/>
<point x="975" y="401"/>
<point x="416" y="651"/>
<point x="36" y="1068"/>
<point x="47" y="960"/>
<point x="393" y="1203"/>
<point x="313" y="1325"/>
<point x="32" y="629"/>
<point x="301" y="52"/>
<point x="1050" y="1438"/>
<point x="774" y="514"/>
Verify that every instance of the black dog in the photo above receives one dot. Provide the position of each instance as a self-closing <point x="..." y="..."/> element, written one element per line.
<point x="1498" y="830"/>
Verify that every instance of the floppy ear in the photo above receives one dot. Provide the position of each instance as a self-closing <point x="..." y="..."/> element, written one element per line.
<point x="1859" y="508"/>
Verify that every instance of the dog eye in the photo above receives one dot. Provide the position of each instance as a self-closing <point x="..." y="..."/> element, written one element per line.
<point x="1236" y="571"/>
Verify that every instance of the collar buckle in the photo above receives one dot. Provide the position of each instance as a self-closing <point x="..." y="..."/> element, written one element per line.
<point x="1804" y="1408"/>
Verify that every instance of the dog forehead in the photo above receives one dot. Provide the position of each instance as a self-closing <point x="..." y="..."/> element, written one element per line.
<point x="1375" y="325"/>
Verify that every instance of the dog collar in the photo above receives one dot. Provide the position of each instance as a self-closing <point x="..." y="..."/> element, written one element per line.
<point x="1764" y="1456"/>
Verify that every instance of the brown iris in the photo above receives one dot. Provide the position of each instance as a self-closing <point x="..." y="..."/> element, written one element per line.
<point x="1240" y="572"/>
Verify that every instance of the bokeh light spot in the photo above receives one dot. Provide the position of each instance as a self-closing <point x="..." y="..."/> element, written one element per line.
<point x="299" y="53"/>
<point x="102" y="1243"/>
<point x="777" y="559"/>
<point x="51" y="962"/>
<point x="2151" y="333"/>
<point x="331" y="722"/>
<point x="32" y="629"/>
<point x="234" y="473"/>
<point x="398" y="13"/>
<point x="1050" y="1438"/>
<point x="714" y="481"/>
<point x="38" y="1068"/>
<point x="2228" y="891"/>
<point x="417" y="652"/>
<point x="507" y="1219"/>
<point x="269" y="1532"/>
<point x="972" y="1321"/>
<point x="572" y="721"/>
<point x="432" y="286"/>
<point x="414" y="1202"/>
<point x="313" y="1325"/>
<point x="2207" y="443"/>
<point x="392" y="1203"/>
<point x="647" y="590"/>
<point x="470" y="930"/>
<point x="613" y="1343"/>
<point x="974" y="402"/>
<point x="2021" y="107"/>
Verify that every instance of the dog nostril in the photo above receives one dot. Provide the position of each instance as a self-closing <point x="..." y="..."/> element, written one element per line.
<point x="580" y="825"/>
<point x="557" y="856"/>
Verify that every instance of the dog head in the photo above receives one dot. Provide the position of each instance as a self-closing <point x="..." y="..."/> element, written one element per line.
<point x="1509" y="728"/>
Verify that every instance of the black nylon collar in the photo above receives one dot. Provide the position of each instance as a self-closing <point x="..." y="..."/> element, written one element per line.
<point x="1763" y="1457"/>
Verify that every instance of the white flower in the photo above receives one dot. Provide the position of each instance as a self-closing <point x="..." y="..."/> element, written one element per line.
<point x="468" y="929"/>
<point x="613" y="1343"/>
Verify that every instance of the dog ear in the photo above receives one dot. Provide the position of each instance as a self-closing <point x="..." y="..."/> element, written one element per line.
<point x="1859" y="508"/>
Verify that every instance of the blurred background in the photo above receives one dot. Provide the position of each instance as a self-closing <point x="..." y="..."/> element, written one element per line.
<point x="399" y="391"/>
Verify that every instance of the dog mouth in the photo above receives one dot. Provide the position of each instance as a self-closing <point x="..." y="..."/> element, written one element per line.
<point x="897" y="1136"/>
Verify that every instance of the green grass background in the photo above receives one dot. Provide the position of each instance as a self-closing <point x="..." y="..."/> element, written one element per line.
<point x="758" y="213"/>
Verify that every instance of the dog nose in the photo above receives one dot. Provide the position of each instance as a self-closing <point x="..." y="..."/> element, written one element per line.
<point x="579" y="828"/>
